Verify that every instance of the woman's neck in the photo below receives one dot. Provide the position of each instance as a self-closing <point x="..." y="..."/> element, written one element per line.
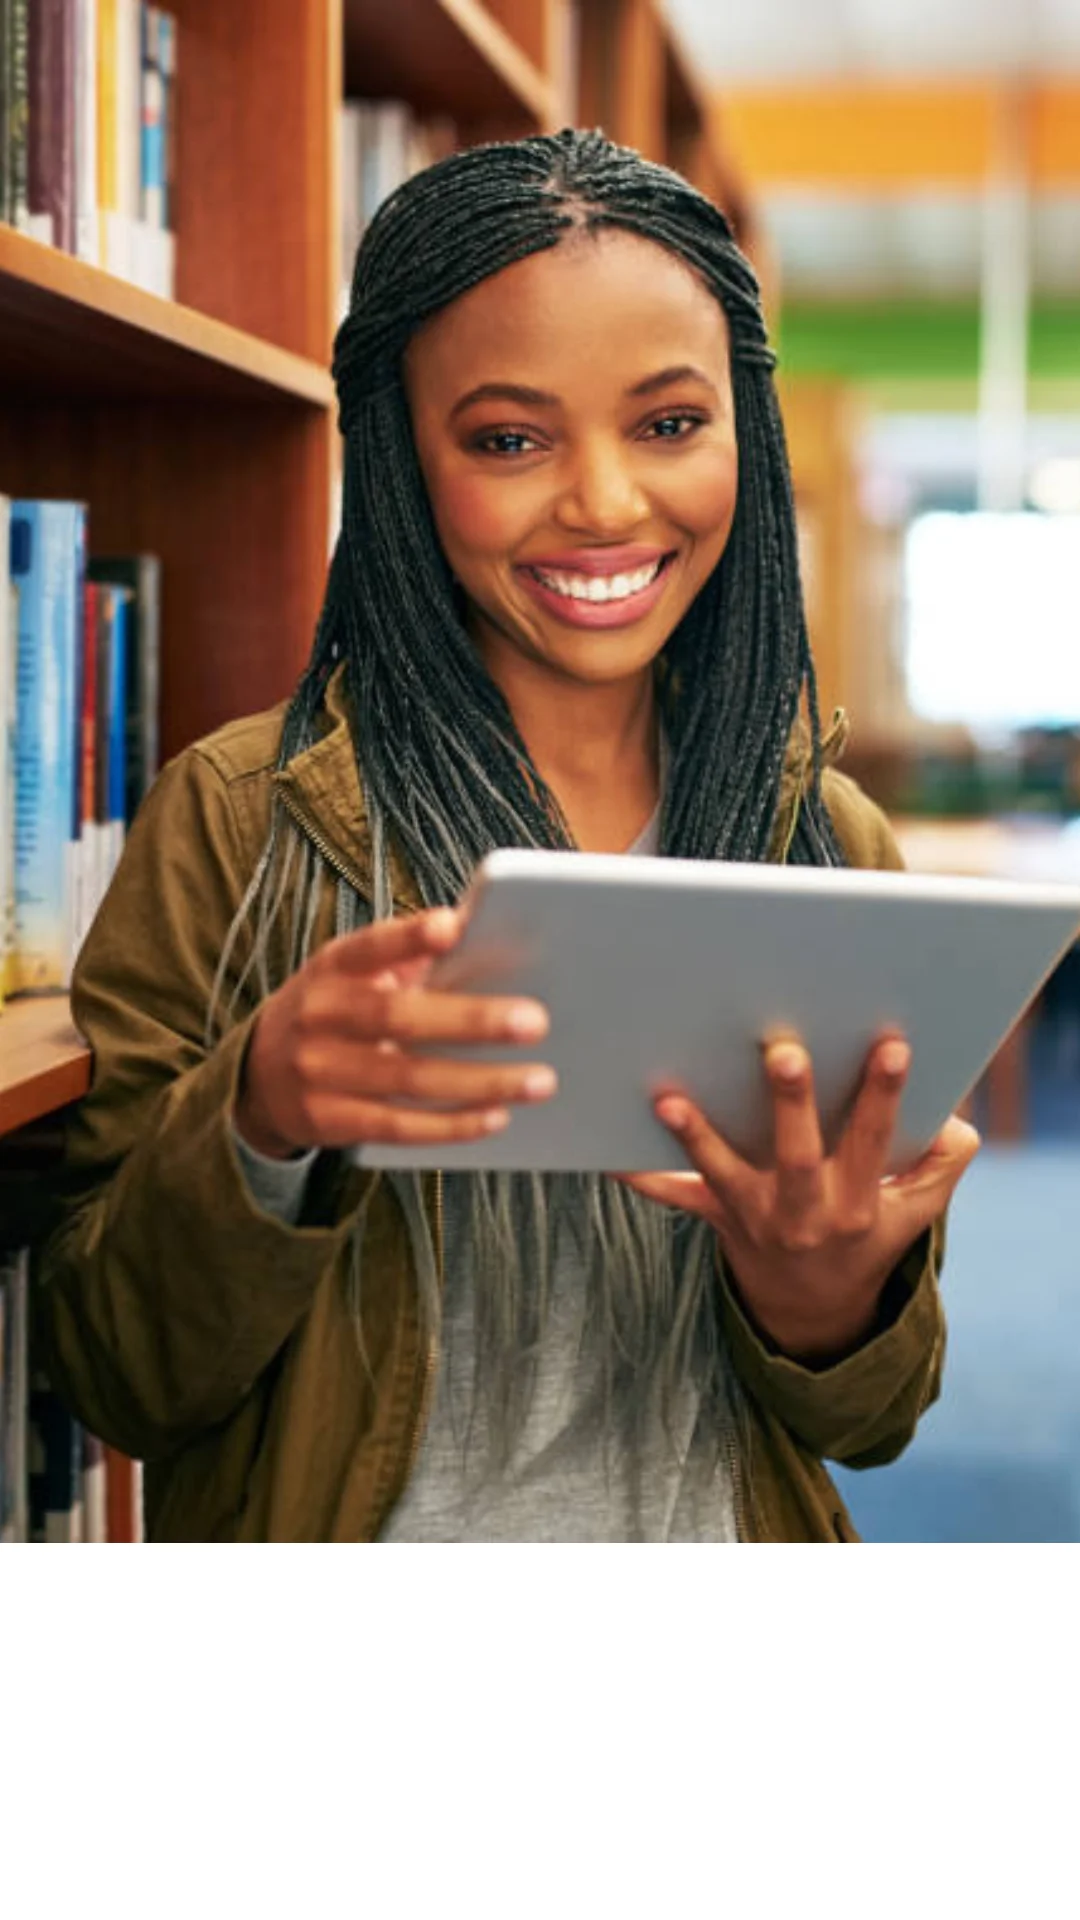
<point x="596" y="748"/>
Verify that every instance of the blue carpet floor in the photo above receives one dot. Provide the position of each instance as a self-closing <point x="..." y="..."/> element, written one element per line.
<point x="999" y="1457"/>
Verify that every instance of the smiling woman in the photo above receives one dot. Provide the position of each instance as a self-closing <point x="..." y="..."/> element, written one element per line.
<point x="564" y="611"/>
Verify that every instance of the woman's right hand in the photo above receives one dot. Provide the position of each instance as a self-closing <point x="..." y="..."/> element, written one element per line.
<point x="337" y="1054"/>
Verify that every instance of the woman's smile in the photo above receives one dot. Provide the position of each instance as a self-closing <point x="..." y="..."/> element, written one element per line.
<point x="598" y="587"/>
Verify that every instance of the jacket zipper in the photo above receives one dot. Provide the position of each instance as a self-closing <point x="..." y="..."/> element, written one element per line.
<point x="307" y="826"/>
<point x="423" y="1405"/>
<point x="340" y="867"/>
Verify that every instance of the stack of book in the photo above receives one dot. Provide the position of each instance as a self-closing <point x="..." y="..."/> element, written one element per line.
<point x="79" y="650"/>
<point x="58" y="1483"/>
<point x="382" y="144"/>
<point x="87" y="132"/>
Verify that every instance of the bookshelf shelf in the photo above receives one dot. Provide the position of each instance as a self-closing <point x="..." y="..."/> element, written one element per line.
<point x="68" y="329"/>
<point x="43" y="1062"/>
<point x="445" y="57"/>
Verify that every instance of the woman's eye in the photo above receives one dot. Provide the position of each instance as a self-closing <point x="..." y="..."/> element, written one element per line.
<point x="675" y="426"/>
<point x="506" y="442"/>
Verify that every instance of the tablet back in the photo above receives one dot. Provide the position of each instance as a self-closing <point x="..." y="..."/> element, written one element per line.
<point x="669" y="974"/>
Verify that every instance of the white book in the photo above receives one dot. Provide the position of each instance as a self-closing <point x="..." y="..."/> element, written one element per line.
<point x="87" y="224"/>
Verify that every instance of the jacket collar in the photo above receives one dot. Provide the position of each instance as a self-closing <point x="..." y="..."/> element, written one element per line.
<point x="321" y="790"/>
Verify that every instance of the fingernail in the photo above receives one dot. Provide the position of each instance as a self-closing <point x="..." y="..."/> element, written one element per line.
<point x="527" y="1022"/>
<point x="673" y="1113"/>
<point x="540" y="1083"/>
<point x="896" y="1057"/>
<point x="787" y="1063"/>
<point x="496" y="1120"/>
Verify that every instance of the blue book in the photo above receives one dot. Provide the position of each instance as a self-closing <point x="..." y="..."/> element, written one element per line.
<point x="114" y="721"/>
<point x="48" y="565"/>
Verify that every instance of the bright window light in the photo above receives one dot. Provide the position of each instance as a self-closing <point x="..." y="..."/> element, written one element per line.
<point x="993" y="618"/>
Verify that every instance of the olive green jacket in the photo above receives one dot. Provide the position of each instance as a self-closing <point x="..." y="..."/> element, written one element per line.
<point x="194" y="1331"/>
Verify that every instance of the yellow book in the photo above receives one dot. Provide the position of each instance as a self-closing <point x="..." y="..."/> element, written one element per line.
<point x="108" y="185"/>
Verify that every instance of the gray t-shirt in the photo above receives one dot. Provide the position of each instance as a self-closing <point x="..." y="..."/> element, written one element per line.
<point x="566" y="1480"/>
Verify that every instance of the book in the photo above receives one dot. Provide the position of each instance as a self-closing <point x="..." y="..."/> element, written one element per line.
<point x="123" y="1498"/>
<point x="141" y="575"/>
<point x="47" y="548"/>
<point x="51" y="123"/>
<point x="55" y="1454"/>
<point x="87" y="235"/>
<point x="94" y="1489"/>
<point x="15" y="85"/>
<point x="8" y="644"/>
<point x="114" y="604"/>
<point x="14" y="1397"/>
<point x="90" y="854"/>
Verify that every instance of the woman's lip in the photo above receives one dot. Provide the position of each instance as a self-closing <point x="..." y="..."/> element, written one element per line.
<point x="599" y="560"/>
<point x="596" y="613"/>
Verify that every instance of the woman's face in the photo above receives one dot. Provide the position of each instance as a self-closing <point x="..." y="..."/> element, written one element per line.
<point x="576" y="430"/>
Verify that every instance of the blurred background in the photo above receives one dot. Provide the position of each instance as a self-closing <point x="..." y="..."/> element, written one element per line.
<point x="911" y="179"/>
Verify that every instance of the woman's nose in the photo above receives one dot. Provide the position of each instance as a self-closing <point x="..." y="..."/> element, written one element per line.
<point x="602" y="494"/>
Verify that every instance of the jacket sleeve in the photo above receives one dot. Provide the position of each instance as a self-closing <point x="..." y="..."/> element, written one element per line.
<point x="165" y="1290"/>
<point x="862" y="1411"/>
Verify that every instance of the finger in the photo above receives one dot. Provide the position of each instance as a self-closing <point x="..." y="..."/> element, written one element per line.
<point x="386" y="1073"/>
<point x="862" y="1157"/>
<point x="721" y="1169"/>
<point x="797" y="1144"/>
<point x="417" y="1017"/>
<point x="390" y="942"/>
<point x="353" y="1123"/>
<point x="687" y="1192"/>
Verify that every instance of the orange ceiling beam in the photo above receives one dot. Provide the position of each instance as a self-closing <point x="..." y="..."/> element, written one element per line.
<point x="874" y="138"/>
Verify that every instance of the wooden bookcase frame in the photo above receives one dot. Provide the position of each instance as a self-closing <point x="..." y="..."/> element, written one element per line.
<point x="204" y="429"/>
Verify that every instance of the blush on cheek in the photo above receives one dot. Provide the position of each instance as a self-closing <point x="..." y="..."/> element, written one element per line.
<point x="475" y="517"/>
<point x="707" y="501"/>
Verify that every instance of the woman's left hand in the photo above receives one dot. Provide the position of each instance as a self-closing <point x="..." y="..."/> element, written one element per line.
<point x="811" y="1242"/>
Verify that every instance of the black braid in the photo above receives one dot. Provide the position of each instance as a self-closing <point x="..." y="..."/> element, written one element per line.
<point x="440" y="756"/>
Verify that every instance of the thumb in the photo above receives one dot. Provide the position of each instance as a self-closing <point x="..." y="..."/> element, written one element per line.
<point x="943" y="1164"/>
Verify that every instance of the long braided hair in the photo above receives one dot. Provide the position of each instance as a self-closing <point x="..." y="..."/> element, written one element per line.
<point x="445" y="774"/>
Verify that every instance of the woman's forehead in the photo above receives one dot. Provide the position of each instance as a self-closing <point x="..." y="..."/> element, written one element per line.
<point x="599" y="303"/>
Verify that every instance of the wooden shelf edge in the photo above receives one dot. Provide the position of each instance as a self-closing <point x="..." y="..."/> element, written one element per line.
<point x="43" y="1062"/>
<point x="531" y="87"/>
<point x="47" y="275"/>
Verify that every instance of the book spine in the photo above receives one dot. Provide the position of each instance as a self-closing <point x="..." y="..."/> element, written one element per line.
<point x="56" y="1493"/>
<point x="107" y="187"/>
<point x="167" y="67"/>
<point x="7" y="897"/>
<point x="87" y="226"/>
<point x="5" y="9"/>
<point x="117" y="726"/>
<point x="7" y="737"/>
<point x="17" y="94"/>
<point x="14" y="1399"/>
<point x="128" y="115"/>
<point x="88" y="834"/>
<point x="46" y="539"/>
<point x="144" y="681"/>
<point x="51" y="157"/>
<point x="94" y="1490"/>
<point x="123" y="1495"/>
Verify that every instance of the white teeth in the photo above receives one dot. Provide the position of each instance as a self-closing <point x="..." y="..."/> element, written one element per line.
<point x="597" y="587"/>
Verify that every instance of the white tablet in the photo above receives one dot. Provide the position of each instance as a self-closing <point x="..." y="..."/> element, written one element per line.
<point x="663" y="975"/>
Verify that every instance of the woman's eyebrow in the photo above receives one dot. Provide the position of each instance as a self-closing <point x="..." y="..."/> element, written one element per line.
<point x="669" y="377"/>
<point x="503" y="390"/>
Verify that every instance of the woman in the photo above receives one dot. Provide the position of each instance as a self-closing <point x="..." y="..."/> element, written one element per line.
<point x="564" y="610"/>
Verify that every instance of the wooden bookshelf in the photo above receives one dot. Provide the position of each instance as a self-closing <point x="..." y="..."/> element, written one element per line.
<point x="477" y="64"/>
<point x="204" y="429"/>
<point x="68" y="329"/>
<point x="43" y="1062"/>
